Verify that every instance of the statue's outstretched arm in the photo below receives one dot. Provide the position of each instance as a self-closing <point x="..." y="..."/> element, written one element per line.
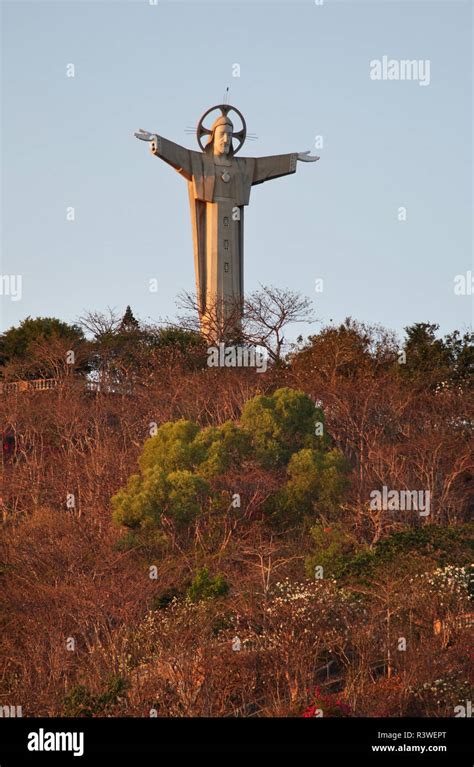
<point x="275" y="166"/>
<point x="174" y="154"/>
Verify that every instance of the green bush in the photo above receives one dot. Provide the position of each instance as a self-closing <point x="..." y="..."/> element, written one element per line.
<point x="178" y="495"/>
<point x="79" y="701"/>
<point x="333" y="546"/>
<point x="281" y="424"/>
<point x="403" y="551"/>
<point x="179" y="465"/>
<point x="317" y="482"/>
<point x="205" y="587"/>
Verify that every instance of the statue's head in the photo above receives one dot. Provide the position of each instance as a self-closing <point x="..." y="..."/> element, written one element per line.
<point x="220" y="139"/>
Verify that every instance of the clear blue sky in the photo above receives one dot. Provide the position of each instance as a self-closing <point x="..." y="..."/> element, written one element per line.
<point x="304" y="71"/>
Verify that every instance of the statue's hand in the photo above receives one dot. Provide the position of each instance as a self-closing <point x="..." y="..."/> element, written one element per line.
<point x="144" y="135"/>
<point x="306" y="156"/>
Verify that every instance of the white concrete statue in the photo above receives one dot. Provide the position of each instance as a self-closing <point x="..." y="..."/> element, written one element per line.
<point x="219" y="187"/>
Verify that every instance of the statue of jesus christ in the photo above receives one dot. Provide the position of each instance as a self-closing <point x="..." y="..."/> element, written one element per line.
<point x="219" y="187"/>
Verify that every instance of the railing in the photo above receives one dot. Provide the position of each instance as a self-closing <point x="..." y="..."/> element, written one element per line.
<point x="46" y="384"/>
<point x="38" y="384"/>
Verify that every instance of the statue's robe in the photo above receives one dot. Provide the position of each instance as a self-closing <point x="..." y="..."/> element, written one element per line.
<point x="219" y="188"/>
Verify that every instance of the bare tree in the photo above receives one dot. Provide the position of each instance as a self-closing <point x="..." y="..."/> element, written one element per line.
<point x="267" y="314"/>
<point x="221" y="321"/>
<point x="262" y="320"/>
<point x="100" y="324"/>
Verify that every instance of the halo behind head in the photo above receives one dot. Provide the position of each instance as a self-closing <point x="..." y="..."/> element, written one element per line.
<point x="223" y="119"/>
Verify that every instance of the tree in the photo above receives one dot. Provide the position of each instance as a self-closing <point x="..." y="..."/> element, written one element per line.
<point x="334" y="544"/>
<point x="128" y="321"/>
<point x="175" y="347"/>
<point x="425" y="354"/>
<point x="204" y="586"/>
<point x="281" y="424"/>
<point x="352" y="350"/>
<point x="183" y="468"/>
<point x="265" y="317"/>
<point x="100" y="325"/>
<point x="176" y="466"/>
<point x="221" y="322"/>
<point x="436" y="362"/>
<point x="38" y="348"/>
<point x="118" y="347"/>
<point x="317" y="484"/>
<point x="460" y="350"/>
<point x="269" y="312"/>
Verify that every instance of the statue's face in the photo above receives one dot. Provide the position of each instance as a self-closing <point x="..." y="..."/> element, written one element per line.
<point x="222" y="139"/>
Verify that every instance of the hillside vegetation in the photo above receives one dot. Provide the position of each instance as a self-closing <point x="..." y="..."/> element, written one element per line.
<point x="180" y="540"/>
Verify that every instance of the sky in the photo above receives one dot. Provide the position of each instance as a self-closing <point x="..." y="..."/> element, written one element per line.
<point x="384" y="218"/>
